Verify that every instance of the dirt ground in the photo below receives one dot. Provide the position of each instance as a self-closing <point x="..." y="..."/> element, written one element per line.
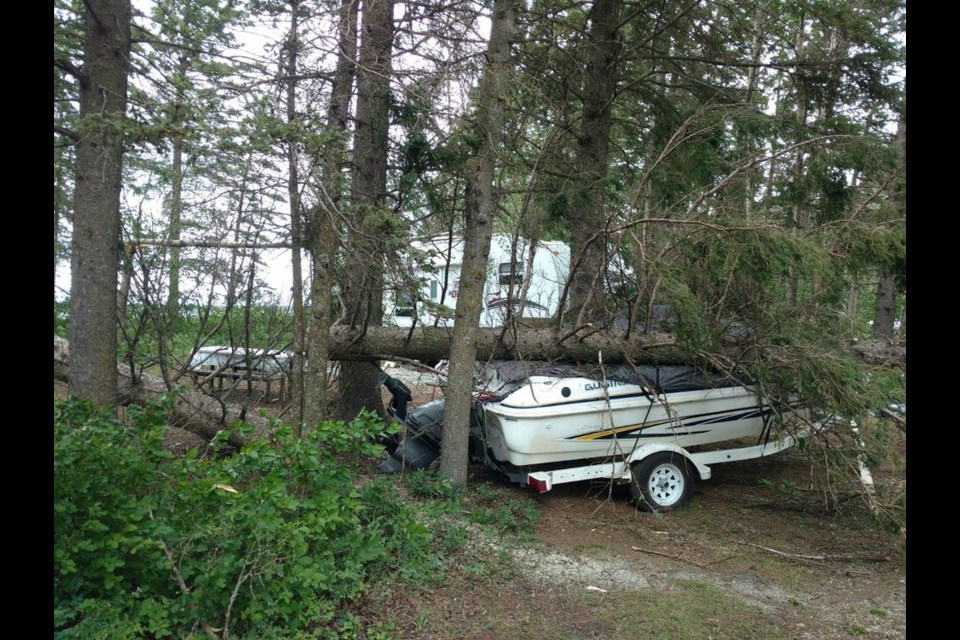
<point x="762" y="551"/>
<point x="780" y="556"/>
<point x="751" y="531"/>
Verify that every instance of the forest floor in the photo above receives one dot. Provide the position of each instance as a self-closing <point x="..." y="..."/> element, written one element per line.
<point x="755" y="555"/>
<point x="766" y="550"/>
<point x="779" y="547"/>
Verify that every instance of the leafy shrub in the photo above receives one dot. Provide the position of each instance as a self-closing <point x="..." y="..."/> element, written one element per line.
<point x="266" y="543"/>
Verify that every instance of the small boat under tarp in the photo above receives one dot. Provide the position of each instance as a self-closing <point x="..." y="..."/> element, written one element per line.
<point x="545" y="424"/>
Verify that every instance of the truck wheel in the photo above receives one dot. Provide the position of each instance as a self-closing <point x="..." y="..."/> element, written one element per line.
<point x="661" y="482"/>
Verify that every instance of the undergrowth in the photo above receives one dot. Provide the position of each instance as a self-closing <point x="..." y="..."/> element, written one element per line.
<point x="272" y="541"/>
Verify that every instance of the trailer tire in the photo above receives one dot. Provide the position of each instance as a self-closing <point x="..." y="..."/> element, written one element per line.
<point x="661" y="482"/>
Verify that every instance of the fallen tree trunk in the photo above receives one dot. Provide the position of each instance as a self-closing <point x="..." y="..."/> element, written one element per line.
<point x="561" y="345"/>
<point x="207" y="416"/>
<point x="880" y="352"/>
<point x="192" y="410"/>
<point x="430" y="344"/>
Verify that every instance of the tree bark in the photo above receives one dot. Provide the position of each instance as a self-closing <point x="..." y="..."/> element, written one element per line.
<point x="96" y="225"/>
<point x="293" y="195"/>
<point x="589" y="246"/>
<point x="494" y="86"/>
<point x="531" y="343"/>
<point x="885" y="311"/>
<point x="801" y="211"/>
<point x="436" y="343"/>
<point x="323" y="222"/>
<point x="205" y="416"/>
<point x="362" y="284"/>
<point x="746" y="143"/>
<point x="176" y="198"/>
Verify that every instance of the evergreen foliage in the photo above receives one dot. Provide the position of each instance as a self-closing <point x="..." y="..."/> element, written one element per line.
<point x="752" y="178"/>
<point x="269" y="541"/>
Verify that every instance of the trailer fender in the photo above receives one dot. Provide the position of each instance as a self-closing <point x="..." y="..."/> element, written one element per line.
<point x="703" y="471"/>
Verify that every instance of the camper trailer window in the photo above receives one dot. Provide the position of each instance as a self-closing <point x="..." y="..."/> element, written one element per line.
<point x="511" y="273"/>
<point x="404" y="305"/>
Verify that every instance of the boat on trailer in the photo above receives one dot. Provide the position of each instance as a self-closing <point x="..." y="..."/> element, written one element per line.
<point x="657" y="428"/>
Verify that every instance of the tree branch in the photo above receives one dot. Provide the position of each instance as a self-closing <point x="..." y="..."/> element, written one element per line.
<point x="797" y="556"/>
<point x="72" y="69"/>
<point x="181" y="583"/>
<point x="208" y="244"/>
<point x="67" y="133"/>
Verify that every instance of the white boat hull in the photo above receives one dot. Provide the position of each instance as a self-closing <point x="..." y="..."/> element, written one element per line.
<point x="552" y="420"/>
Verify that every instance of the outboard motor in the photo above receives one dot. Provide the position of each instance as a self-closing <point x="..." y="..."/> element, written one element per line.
<point x="397" y="407"/>
<point x="419" y="441"/>
<point x="401" y="396"/>
<point x="421" y="438"/>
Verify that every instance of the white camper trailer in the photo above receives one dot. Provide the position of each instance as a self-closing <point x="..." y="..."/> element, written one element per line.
<point x="534" y="272"/>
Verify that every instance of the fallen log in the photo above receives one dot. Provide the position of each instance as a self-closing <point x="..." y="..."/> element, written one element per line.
<point x="899" y="421"/>
<point x="431" y="344"/>
<point x="530" y="342"/>
<point x="206" y="416"/>
<point x="192" y="410"/>
<point x="880" y="352"/>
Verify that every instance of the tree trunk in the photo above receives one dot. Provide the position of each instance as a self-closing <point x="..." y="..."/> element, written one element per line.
<point x="435" y="343"/>
<point x="61" y="205"/>
<point x="747" y="144"/>
<point x="205" y="416"/>
<point x="362" y="283"/>
<point x="96" y="225"/>
<point x="853" y="297"/>
<point x="293" y="195"/>
<point x="176" y="201"/>
<point x="323" y="222"/>
<point x="801" y="211"/>
<point x="494" y="87"/>
<point x="885" y="312"/>
<point x="176" y="225"/>
<point x="589" y="245"/>
<point x="546" y="344"/>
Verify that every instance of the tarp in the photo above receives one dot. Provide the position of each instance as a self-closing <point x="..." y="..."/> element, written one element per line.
<point x="669" y="378"/>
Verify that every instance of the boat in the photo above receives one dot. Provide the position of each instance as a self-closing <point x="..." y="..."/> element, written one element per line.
<point x="568" y="415"/>
<point x="655" y="427"/>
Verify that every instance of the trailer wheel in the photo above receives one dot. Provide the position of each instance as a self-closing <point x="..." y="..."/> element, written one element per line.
<point x="661" y="482"/>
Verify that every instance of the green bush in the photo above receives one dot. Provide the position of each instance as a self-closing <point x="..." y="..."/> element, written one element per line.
<point x="266" y="543"/>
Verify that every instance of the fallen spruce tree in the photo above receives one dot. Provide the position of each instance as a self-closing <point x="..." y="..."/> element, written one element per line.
<point x="206" y="416"/>
<point x="192" y="409"/>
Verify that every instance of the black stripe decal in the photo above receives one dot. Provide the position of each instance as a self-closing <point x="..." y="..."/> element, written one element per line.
<point x="714" y="417"/>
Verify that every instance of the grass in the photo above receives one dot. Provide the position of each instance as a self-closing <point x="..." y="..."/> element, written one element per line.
<point x="690" y="609"/>
<point x="790" y="574"/>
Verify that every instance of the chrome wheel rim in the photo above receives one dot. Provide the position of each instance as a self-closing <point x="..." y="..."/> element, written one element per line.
<point x="665" y="485"/>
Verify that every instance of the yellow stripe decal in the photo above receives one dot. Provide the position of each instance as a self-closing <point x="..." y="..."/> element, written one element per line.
<point x="610" y="432"/>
